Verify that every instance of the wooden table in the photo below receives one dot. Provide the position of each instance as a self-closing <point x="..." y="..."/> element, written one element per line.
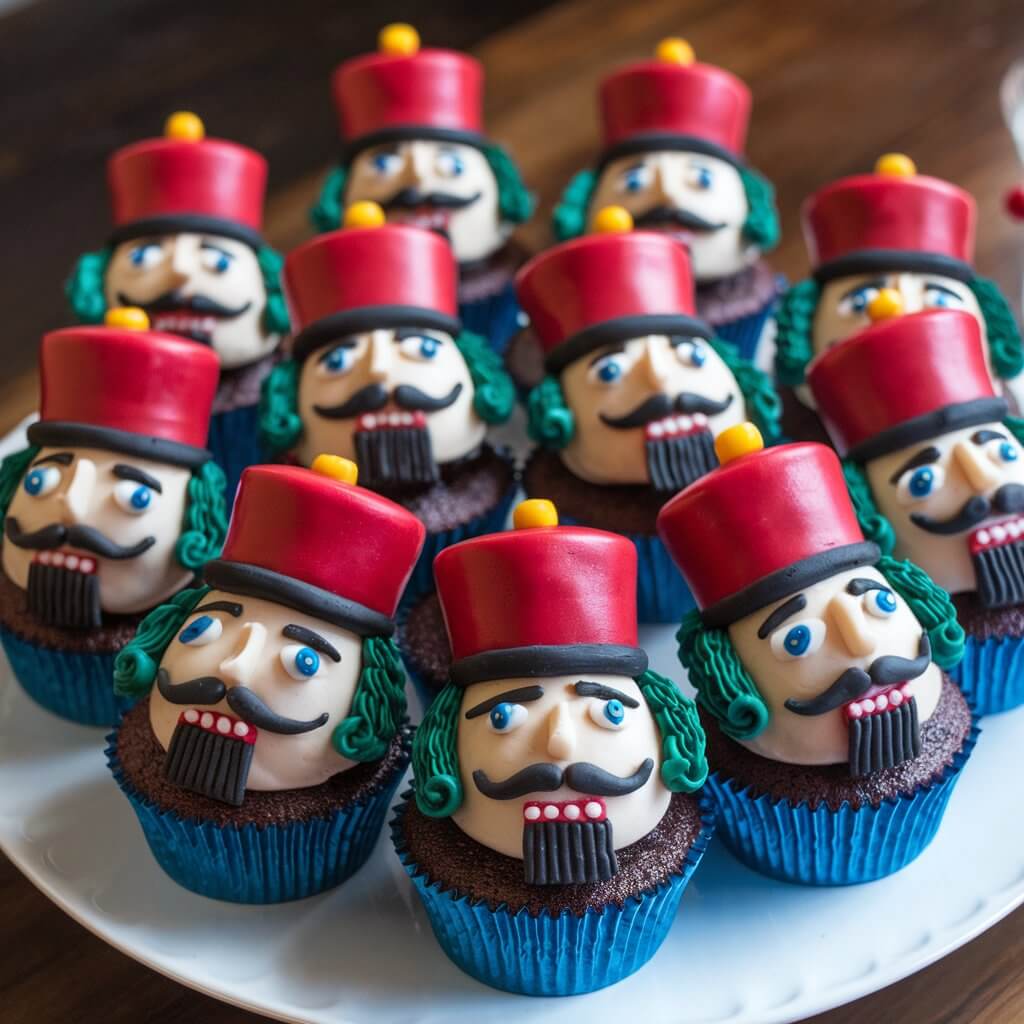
<point x="835" y="85"/>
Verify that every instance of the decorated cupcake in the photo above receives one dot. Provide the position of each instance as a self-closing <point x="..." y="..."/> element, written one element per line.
<point x="110" y="510"/>
<point x="383" y="373"/>
<point x="264" y="761"/>
<point x="673" y="137"/>
<point x="553" y="825"/>
<point x="187" y="248"/>
<point x="636" y="387"/>
<point x="936" y="471"/>
<point x="411" y="124"/>
<point x="894" y="231"/>
<point x="834" y="737"/>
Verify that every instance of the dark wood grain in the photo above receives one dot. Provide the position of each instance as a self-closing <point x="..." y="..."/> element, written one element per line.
<point x="835" y="85"/>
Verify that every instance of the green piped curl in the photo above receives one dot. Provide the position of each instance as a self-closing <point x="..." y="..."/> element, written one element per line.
<point x="275" y="313"/>
<point x="280" y="425"/>
<point x="684" y="766"/>
<point x="1004" y="342"/>
<point x="1015" y="425"/>
<point x="549" y="420"/>
<point x="794" y="344"/>
<point x="135" y="666"/>
<point x="12" y="469"/>
<point x="378" y="706"/>
<point x="762" y="224"/>
<point x="494" y="394"/>
<point x="874" y="525"/>
<point x="206" y="518"/>
<point x="435" y="758"/>
<point x="84" y="288"/>
<point x="329" y="210"/>
<point x="569" y="219"/>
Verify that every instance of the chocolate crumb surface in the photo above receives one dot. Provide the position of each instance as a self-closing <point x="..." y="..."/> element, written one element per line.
<point x="983" y="623"/>
<point x="423" y="641"/>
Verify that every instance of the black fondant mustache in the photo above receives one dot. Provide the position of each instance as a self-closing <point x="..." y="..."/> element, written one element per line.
<point x="175" y="302"/>
<point x="85" y="538"/>
<point x="545" y="777"/>
<point x="1008" y="499"/>
<point x="208" y="690"/>
<point x="855" y="682"/>
<point x="410" y="198"/>
<point x="660" y="405"/>
<point x="375" y="396"/>
<point x="657" y="216"/>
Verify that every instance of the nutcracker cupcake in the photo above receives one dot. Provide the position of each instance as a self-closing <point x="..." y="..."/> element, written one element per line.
<point x="936" y="471"/>
<point x="263" y="762"/>
<point x="382" y="372"/>
<point x="553" y="824"/>
<point x="111" y="509"/>
<point x="636" y="387"/>
<point x="834" y="736"/>
<point x="411" y="124"/>
<point x="187" y="248"/>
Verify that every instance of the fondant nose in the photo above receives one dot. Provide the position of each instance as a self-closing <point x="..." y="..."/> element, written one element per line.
<point x="242" y="665"/>
<point x="381" y="344"/>
<point x="78" y="496"/>
<point x="655" y="361"/>
<point x="979" y="470"/>
<point x="847" y="614"/>
<point x="561" y="733"/>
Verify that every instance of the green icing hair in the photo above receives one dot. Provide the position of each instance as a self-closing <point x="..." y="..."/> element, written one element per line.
<point x="135" y="666"/>
<point x="275" y="313"/>
<point x="874" y="525"/>
<point x="723" y="685"/>
<point x="206" y="517"/>
<point x="435" y="758"/>
<point x="84" y="288"/>
<point x="794" y="326"/>
<point x="494" y="394"/>
<point x="1015" y="425"/>
<point x="12" y="469"/>
<point x="280" y="425"/>
<point x="684" y="766"/>
<point x="515" y="202"/>
<point x="569" y="219"/>
<point x="1004" y="342"/>
<point x="550" y="422"/>
<point x="378" y="705"/>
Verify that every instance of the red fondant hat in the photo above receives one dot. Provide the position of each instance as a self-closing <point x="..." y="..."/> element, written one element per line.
<point x="185" y="182"/>
<point x="406" y="92"/>
<point x="764" y="524"/>
<point x="541" y="599"/>
<point x="126" y="389"/>
<point x="311" y="540"/>
<point x="363" y="278"/>
<point x="676" y="103"/>
<point x="892" y="219"/>
<point x="607" y="287"/>
<point x="902" y="380"/>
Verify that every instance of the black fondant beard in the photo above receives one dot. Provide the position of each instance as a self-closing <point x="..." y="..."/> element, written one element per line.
<point x="675" y="462"/>
<point x="62" y="597"/>
<point x="999" y="574"/>
<point x="209" y="763"/>
<point x="884" y="739"/>
<point x="395" y="455"/>
<point x="568" y="852"/>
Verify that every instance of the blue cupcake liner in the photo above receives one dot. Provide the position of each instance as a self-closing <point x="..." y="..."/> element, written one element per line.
<point x="794" y="843"/>
<point x="745" y="333"/>
<point x="495" y="318"/>
<point x="77" y="685"/>
<point x="991" y="674"/>
<point x="545" y="955"/>
<point x="234" y="440"/>
<point x="253" y="864"/>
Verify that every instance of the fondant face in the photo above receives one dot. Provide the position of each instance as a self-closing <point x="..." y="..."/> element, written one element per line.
<point x="443" y="186"/>
<point x="635" y="400"/>
<point x="699" y="199"/>
<point x="83" y="513"/>
<point x="205" y="287"/>
<point x="556" y="728"/>
<point x="350" y="389"/>
<point x="953" y="502"/>
<point x="798" y="649"/>
<point x="278" y="679"/>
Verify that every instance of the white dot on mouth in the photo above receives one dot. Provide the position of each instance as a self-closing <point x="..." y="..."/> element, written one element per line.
<point x="192" y="716"/>
<point x="369" y="422"/>
<point x="58" y="558"/>
<point x="881" y="702"/>
<point x="71" y="561"/>
<point x="531" y="813"/>
<point x="207" y="720"/>
<point x="592" y="809"/>
<point x="998" y="533"/>
<point x="571" y="811"/>
<point x="241" y="729"/>
<point x="983" y="537"/>
<point x="685" y="423"/>
<point x="655" y="429"/>
<point x="87" y="565"/>
<point x="551" y="812"/>
<point x="224" y="725"/>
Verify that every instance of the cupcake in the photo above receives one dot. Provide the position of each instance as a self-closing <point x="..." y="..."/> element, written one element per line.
<point x="936" y="471"/>
<point x="110" y="510"/>
<point x="412" y="141"/>
<point x="897" y="231"/>
<point x="834" y="738"/>
<point x="554" y="820"/>
<point x="423" y="642"/>
<point x="187" y="248"/>
<point x="383" y="373"/>
<point x="263" y="762"/>
<point x="636" y="387"/>
<point x="673" y="137"/>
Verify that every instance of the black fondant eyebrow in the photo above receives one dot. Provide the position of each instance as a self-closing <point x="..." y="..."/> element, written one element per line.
<point x="982" y="436"/>
<point x="779" y="616"/>
<point x="312" y="639"/>
<point x="943" y="288"/>
<point x="414" y="332"/>
<point x="62" y="458"/>
<point x="611" y="351"/>
<point x="349" y="342"/>
<point x="524" y="693"/>
<point x="585" y="688"/>
<point x="875" y="282"/>
<point x="217" y="248"/>
<point x="231" y="607"/>
<point x="923" y="458"/>
<point x="862" y="585"/>
<point x="125" y="472"/>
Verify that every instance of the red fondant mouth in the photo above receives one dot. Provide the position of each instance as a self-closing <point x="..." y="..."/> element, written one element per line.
<point x="877" y="700"/>
<point x="65" y="559"/>
<point x="218" y="722"/>
<point x="584" y="808"/>
<point x="996" y="535"/>
<point x="676" y="425"/>
<point x="432" y="218"/>
<point x="391" y="421"/>
<point x="186" y="323"/>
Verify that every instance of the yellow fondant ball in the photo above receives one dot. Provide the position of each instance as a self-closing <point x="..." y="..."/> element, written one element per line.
<point x="612" y="220"/>
<point x="364" y="214"/>
<point x="674" y="50"/>
<point x="184" y="125"/>
<point x="398" y="40"/>
<point x="741" y="439"/>
<point x="128" y="317"/>
<point x="337" y="468"/>
<point x="534" y="512"/>
<point x="895" y="165"/>
<point x="885" y="305"/>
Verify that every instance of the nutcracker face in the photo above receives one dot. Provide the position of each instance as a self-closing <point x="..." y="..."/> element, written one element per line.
<point x="443" y="186"/>
<point x="398" y="402"/>
<point x="91" y="531"/>
<point x="955" y="503"/>
<point x="205" y="287"/>
<point x="548" y="759"/>
<point x="837" y="663"/>
<point x="646" y="411"/>
<point x="696" y="198"/>
<point x="262" y="683"/>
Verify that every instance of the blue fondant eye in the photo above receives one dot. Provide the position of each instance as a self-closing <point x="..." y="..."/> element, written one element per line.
<point x="145" y="255"/>
<point x="214" y="258"/>
<point x="880" y="603"/>
<point x="691" y="353"/>
<point x="703" y="178"/>
<point x="299" y="661"/>
<point x="505" y="717"/>
<point x="202" y="630"/>
<point x="856" y="303"/>
<point x="609" y="369"/>
<point x="1008" y="452"/>
<point x="336" y="361"/>
<point x="798" y="640"/>
<point x="41" y="480"/>
<point x="942" y="298"/>
<point x="635" y="179"/>
<point x="449" y="163"/>
<point x="918" y="484"/>
<point x="386" y="163"/>
<point x="133" y="497"/>
<point x="609" y="714"/>
<point x="921" y="482"/>
<point x="307" y="661"/>
<point x="422" y="347"/>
